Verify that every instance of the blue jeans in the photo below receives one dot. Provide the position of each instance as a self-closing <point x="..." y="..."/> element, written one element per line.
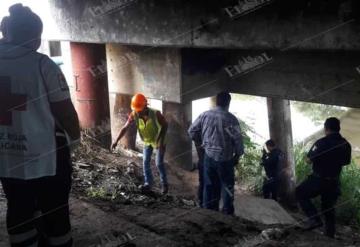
<point x="148" y="177"/>
<point x="201" y="183"/>
<point x="219" y="182"/>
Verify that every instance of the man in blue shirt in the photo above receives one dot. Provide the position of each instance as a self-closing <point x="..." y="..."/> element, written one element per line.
<point x="218" y="132"/>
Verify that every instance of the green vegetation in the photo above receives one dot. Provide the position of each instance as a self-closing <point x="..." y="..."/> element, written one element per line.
<point x="96" y="193"/>
<point x="249" y="172"/>
<point x="349" y="203"/>
<point x="318" y="112"/>
<point x="100" y="192"/>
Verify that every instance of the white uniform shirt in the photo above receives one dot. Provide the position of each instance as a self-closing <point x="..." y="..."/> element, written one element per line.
<point x="29" y="81"/>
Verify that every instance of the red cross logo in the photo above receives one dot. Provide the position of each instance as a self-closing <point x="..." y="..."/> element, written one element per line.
<point x="9" y="102"/>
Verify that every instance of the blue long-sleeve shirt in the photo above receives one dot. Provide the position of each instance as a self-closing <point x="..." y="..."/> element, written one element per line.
<point x="219" y="133"/>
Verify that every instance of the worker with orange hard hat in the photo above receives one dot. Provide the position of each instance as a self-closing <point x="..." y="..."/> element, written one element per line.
<point x="152" y="128"/>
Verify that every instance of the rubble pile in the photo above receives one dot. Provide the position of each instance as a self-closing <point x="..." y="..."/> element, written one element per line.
<point x="102" y="175"/>
<point x="108" y="204"/>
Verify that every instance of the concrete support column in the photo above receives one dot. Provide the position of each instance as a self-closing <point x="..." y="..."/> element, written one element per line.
<point x="91" y="89"/>
<point x="281" y="132"/>
<point x="119" y="116"/>
<point x="179" y="145"/>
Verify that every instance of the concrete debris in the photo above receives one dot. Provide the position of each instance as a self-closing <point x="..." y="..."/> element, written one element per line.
<point x="274" y="234"/>
<point x="262" y="211"/>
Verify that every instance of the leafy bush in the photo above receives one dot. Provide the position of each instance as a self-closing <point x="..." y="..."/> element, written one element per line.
<point x="302" y="169"/>
<point x="248" y="171"/>
<point x="349" y="203"/>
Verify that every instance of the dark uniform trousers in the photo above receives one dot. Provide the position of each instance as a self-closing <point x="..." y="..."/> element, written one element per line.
<point x="329" y="190"/>
<point x="270" y="188"/>
<point x="50" y="196"/>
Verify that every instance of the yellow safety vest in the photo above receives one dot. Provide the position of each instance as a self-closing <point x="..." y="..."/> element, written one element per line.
<point x="149" y="131"/>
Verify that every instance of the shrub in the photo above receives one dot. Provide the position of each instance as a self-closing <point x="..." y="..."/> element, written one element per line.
<point x="348" y="207"/>
<point x="248" y="171"/>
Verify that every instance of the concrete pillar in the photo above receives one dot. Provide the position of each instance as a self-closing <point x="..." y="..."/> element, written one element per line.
<point x="119" y="116"/>
<point x="91" y="89"/>
<point x="179" y="145"/>
<point x="281" y="132"/>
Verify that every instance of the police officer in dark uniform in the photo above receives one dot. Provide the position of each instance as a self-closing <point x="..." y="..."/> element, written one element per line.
<point x="328" y="155"/>
<point x="271" y="161"/>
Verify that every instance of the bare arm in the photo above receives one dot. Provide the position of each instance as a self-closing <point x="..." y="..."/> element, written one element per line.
<point x="122" y="132"/>
<point x="67" y="119"/>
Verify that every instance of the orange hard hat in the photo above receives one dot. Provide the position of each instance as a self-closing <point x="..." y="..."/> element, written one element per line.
<point x="138" y="102"/>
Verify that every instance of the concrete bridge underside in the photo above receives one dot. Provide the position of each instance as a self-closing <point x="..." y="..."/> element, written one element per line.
<point x="184" y="75"/>
<point x="178" y="51"/>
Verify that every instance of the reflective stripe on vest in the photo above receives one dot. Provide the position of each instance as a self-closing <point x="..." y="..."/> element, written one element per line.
<point x="149" y="130"/>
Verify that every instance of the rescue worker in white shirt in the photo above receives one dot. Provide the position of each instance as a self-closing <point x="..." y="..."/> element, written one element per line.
<point x="36" y="114"/>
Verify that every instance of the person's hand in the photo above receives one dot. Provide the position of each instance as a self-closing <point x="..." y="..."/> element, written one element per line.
<point x="113" y="146"/>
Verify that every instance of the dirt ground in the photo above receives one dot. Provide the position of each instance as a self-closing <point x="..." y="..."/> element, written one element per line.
<point x="108" y="209"/>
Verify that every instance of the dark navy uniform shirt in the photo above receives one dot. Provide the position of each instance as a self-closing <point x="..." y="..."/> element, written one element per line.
<point x="272" y="162"/>
<point x="329" y="154"/>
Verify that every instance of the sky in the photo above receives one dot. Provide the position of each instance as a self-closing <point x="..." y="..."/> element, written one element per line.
<point x="40" y="7"/>
<point x="37" y="8"/>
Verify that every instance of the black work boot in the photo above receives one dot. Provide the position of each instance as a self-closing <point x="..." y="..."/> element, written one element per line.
<point x="164" y="189"/>
<point x="145" y="188"/>
<point x="329" y="231"/>
<point x="312" y="224"/>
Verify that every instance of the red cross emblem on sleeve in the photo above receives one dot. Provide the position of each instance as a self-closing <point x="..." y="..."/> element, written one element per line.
<point x="9" y="102"/>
